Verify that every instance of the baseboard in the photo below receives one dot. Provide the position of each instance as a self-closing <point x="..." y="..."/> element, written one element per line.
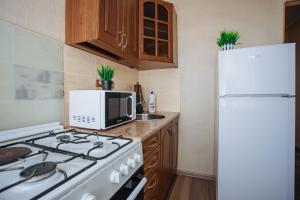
<point x="196" y="175"/>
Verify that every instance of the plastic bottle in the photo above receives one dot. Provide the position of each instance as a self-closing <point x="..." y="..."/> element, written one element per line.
<point x="151" y="102"/>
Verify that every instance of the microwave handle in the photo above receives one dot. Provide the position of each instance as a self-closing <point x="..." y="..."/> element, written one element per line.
<point x="137" y="189"/>
<point x="129" y="97"/>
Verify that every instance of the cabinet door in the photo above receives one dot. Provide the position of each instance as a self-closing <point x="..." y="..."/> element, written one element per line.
<point x="174" y="146"/>
<point x="130" y="27"/>
<point x="155" y="31"/>
<point x="166" y="161"/>
<point x="110" y="22"/>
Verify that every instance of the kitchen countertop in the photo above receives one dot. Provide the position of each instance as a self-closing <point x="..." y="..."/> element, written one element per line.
<point x="141" y="129"/>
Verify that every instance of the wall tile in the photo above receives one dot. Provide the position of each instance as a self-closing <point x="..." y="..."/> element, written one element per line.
<point x="166" y="85"/>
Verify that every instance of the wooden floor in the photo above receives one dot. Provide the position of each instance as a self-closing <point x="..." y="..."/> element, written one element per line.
<point x="189" y="188"/>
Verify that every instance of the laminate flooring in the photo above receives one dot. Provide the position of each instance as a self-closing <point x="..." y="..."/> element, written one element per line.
<point x="190" y="188"/>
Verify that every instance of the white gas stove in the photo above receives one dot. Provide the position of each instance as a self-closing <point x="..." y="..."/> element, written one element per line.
<point x="48" y="162"/>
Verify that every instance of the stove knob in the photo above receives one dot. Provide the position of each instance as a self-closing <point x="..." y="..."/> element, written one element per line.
<point x="115" y="177"/>
<point x="137" y="158"/>
<point x="88" y="196"/>
<point x="131" y="163"/>
<point x="124" y="169"/>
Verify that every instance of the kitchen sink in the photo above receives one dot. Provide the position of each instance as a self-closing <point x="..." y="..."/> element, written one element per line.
<point x="147" y="116"/>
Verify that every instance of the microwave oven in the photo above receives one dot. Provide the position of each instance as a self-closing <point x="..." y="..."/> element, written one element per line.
<point x="101" y="109"/>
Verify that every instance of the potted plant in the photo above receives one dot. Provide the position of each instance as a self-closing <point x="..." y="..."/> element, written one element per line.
<point x="228" y="40"/>
<point x="106" y="73"/>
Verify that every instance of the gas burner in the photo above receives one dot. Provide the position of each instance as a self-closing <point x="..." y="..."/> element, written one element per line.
<point x="98" y="144"/>
<point x="63" y="138"/>
<point x="12" y="154"/>
<point x="39" y="171"/>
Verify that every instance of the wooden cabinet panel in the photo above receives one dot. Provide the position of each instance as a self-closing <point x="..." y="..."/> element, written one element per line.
<point x="151" y="144"/>
<point x="79" y="26"/>
<point x="110" y="22"/>
<point x="160" y="161"/>
<point x="152" y="184"/>
<point x="166" y="161"/>
<point x="174" y="146"/>
<point x="151" y="165"/>
<point x="130" y="27"/>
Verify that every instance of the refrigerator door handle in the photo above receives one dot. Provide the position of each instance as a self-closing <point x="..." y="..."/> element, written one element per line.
<point x="288" y="96"/>
<point x="258" y="95"/>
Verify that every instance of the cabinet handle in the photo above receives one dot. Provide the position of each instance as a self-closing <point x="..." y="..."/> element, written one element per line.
<point x="118" y="37"/>
<point x="154" y="164"/>
<point x="170" y="129"/>
<point x="153" y="185"/>
<point x="153" y="145"/>
<point x="126" y="41"/>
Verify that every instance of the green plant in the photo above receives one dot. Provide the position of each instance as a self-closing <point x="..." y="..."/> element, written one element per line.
<point x="106" y="73"/>
<point x="228" y="37"/>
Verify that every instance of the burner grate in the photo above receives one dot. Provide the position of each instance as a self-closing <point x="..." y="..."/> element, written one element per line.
<point x="83" y="137"/>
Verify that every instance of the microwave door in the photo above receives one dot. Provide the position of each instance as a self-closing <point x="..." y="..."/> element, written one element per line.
<point x="117" y="108"/>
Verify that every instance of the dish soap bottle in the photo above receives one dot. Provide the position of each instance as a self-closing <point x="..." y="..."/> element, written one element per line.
<point x="151" y="102"/>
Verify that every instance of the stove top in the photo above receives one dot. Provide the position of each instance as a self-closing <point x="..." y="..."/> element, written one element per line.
<point x="90" y="144"/>
<point x="32" y="168"/>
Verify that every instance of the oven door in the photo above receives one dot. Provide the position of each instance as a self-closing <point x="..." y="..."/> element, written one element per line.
<point x="118" y="108"/>
<point x="133" y="189"/>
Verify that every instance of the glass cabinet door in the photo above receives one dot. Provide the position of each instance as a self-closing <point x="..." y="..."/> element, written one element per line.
<point x="156" y="24"/>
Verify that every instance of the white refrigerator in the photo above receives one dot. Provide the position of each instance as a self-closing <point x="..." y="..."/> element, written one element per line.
<point x="256" y="123"/>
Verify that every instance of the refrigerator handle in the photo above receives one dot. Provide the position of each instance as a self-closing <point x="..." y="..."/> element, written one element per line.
<point x="258" y="95"/>
<point x="288" y="96"/>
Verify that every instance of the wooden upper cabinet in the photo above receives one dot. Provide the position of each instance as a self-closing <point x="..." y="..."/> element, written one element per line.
<point x="136" y="33"/>
<point x="157" y="34"/>
<point x="108" y="28"/>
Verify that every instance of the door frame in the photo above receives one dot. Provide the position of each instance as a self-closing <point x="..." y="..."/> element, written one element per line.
<point x="286" y="4"/>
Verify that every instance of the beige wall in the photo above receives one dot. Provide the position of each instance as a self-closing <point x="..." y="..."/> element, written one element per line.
<point x="199" y="22"/>
<point x="42" y="16"/>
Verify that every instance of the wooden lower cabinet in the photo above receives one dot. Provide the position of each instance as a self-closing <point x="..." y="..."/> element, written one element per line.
<point x="160" y="161"/>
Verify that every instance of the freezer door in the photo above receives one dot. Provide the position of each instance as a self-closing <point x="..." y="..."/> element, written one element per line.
<point x="256" y="149"/>
<point x="257" y="70"/>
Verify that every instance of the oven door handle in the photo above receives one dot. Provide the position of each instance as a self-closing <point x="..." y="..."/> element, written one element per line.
<point x="137" y="189"/>
<point x="129" y="97"/>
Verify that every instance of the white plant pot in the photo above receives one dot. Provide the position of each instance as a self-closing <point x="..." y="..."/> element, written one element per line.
<point x="227" y="47"/>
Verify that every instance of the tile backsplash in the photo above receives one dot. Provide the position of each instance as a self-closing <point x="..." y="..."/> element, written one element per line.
<point x="80" y="72"/>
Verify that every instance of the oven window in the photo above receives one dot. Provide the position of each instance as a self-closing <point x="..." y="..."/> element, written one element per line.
<point x="118" y="107"/>
<point x="125" y="191"/>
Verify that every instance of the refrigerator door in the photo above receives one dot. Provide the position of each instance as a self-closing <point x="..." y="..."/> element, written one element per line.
<point x="257" y="70"/>
<point x="256" y="149"/>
